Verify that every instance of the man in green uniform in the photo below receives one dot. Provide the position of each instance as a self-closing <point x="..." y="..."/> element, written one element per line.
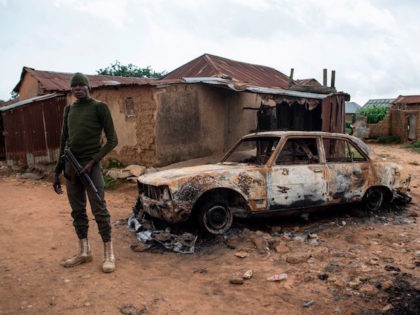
<point x="83" y="124"/>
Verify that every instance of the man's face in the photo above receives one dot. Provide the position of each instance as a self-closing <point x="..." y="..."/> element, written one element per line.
<point x="80" y="91"/>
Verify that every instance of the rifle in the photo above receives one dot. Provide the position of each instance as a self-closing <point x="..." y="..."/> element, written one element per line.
<point x="84" y="178"/>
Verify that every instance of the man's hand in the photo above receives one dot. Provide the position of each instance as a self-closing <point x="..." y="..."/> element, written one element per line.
<point x="88" y="167"/>
<point x="57" y="184"/>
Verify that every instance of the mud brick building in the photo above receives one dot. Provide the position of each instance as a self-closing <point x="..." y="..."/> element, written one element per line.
<point x="200" y="108"/>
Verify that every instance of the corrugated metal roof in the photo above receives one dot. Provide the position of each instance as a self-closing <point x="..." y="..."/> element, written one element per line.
<point x="213" y="66"/>
<point x="9" y="102"/>
<point x="408" y="99"/>
<point x="28" y="101"/>
<point x="352" y="107"/>
<point x="307" y="82"/>
<point x="381" y="102"/>
<point x="254" y="89"/>
<point x="60" y="81"/>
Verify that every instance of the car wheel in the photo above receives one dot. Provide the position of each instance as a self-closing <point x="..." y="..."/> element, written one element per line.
<point x="373" y="199"/>
<point x="215" y="217"/>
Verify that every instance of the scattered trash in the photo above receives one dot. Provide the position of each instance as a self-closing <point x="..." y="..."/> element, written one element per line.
<point x="308" y="303"/>
<point x="202" y="271"/>
<point x="241" y="254"/>
<point x="277" y="277"/>
<point x="248" y="274"/>
<point x="148" y="235"/>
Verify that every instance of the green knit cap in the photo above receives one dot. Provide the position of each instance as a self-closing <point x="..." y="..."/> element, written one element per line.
<point x="79" y="79"/>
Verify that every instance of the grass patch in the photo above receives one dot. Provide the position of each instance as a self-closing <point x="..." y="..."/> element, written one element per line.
<point x="110" y="183"/>
<point x="389" y="139"/>
<point x="415" y="146"/>
<point x="384" y="155"/>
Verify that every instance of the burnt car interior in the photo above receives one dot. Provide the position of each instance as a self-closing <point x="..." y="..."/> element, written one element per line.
<point x="255" y="151"/>
<point x="339" y="150"/>
<point x="299" y="151"/>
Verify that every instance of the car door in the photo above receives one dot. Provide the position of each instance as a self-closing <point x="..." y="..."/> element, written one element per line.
<point x="348" y="170"/>
<point x="297" y="178"/>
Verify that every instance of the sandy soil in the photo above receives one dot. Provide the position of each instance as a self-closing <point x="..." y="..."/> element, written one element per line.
<point x="352" y="263"/>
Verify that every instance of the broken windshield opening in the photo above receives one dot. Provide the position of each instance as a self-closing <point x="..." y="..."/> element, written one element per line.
<point x="256" y="151"/>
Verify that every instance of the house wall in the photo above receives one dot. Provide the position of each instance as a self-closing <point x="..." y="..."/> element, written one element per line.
<point x="399" y="123"/>
<point x="29" y="87"/>
<point x="136" y="134"/>
<point x="196" y="120"/>
<point x="381" y="128"/>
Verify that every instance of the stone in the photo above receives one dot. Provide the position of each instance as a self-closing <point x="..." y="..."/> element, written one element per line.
<point x="387" y="284"/>
<point x="374" y="261"/>
<point x="116" y="173"/>
<point x="281" y="249"/>
<point x="386" y="308"/>
<point x="261" y="244"/>
<point x="412" y="214"/>
<point x="135" y="170"/>
<point x="355" y="283"/>
<point x="368" y="289"/>
<point x="236" y="281"/>
<point x="308" y="303"/>
<point x="308" y="277"/>
<point x="32" y="176"/>
<point x="296" y="258"/>
<point x="323" y="276"/>
<point x="248" y="274"/>
<point x="241" y="254"/>
<point x="130" y="309"/>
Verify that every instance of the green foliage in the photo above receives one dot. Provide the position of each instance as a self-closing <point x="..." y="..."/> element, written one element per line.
<point x="130" y="70"/>
<point x="110" y="183"/>
<point x="112" y="163"/>
<point x="389" y="139"/>
<point x="415" y="146"/>
<point x="374" y="113"/>
<point x="348" y="123"/>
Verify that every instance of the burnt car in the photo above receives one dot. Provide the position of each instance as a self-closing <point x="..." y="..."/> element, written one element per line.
<point x="273" y="172"/>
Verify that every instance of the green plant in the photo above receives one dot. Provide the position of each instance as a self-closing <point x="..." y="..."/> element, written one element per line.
<point x="389" y="139"/>
<point x="113" y="163"/>
<point x="415" y="146"/>
<point x="110" y="183"/>
<point x="130" y="70"/>
<point x="374" y="113"/>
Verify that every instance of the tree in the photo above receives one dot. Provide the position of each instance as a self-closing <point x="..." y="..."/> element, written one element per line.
<point x="130" y="70"/>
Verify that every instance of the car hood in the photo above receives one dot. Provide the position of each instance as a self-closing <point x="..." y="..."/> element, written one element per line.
<point x="168" y="177"/>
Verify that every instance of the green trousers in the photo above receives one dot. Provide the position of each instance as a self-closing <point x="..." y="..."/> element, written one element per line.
<point x="76" y="194"/>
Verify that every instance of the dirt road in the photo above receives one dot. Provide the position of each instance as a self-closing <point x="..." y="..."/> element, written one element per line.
<point x="341" y="262"/>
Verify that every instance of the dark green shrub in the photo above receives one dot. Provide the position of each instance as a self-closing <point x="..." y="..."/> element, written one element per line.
<point x="113" y="163"/>
<point x="374" y="113"/>
<point x="389" y="139"/>
<point x="110" y="183"/>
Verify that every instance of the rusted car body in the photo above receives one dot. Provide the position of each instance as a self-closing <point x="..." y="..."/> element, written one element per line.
<point x="270" y="172"/>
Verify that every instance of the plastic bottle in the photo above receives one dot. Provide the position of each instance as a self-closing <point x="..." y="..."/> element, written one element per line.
<point x="277" y="277"/>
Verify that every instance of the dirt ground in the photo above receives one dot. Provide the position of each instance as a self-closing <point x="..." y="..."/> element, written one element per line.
<point x="343" y="261"/>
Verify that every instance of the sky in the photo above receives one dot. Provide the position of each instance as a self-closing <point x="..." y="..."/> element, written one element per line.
<point x="373" y="45"/>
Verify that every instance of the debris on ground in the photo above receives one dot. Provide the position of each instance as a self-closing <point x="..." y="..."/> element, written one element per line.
<point x="147" y="234"/>
<point x="308" y="303"/>
<point x="277" y="277"/>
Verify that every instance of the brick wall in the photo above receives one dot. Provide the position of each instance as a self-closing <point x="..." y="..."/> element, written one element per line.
<point x="382" y="128"/>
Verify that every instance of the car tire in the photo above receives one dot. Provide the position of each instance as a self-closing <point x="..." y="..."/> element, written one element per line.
<point x="215" y="217"/>
<point x="373" y="199"/>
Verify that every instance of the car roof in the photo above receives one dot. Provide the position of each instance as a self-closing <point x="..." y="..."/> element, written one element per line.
<point x="275" y="133"/>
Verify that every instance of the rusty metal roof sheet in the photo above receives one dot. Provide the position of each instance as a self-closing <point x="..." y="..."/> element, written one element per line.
<point x="307" y="82"/>
<point x="60" y="81"/>
<point x="253" y="89"/>
<point x="28" y="101"/>
<point x="408" y="99"/>
<point x="9" y="102"/>
<point x="213" y="66"/>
